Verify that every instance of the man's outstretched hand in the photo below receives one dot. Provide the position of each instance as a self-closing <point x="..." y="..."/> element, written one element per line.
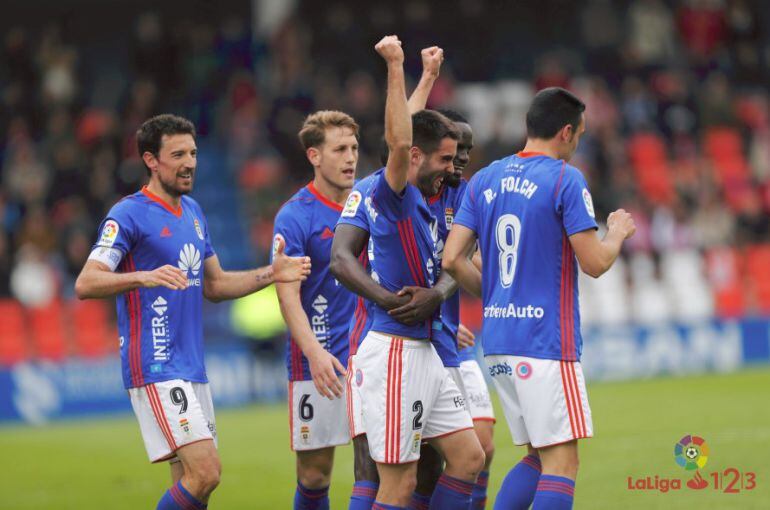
<point x="288" y="269"/>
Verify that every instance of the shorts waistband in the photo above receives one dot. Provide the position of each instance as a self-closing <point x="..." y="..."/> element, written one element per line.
<point x="409" y="343"/>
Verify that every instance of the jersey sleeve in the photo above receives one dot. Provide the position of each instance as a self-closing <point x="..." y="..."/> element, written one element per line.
<point x="354" y="212"/>
<point x="467" y="215"/>
<point x="574" y="203"/>
<point x="388" y="201"/>
<point x="290" y="224"/>
<point x="209" y="249"/>
<point x="118" y="230"/>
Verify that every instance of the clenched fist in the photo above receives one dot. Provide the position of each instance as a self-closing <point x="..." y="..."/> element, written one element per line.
<point x="621" y="222"/>
<point x="431" y="60"/>
<point x="389" y="49"/>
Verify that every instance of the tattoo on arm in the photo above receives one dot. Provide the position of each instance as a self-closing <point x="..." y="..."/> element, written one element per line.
<point x="265" y="275"/>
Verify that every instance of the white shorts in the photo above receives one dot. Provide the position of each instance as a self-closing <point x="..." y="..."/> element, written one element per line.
<point x="454" y="373"/>
<point x="173" y="414"/>
<point x="544" y="401"/>
<point x="354" y="408"/>
<point x="476" y="392"/>
<point x="406" y="395"/>
<point x="316" y="422"/>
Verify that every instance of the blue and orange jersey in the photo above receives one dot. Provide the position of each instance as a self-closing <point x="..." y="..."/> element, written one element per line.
<point x="523" y="209"/>
<point x="444" y="206"/>
<point x="357" y="216"/>
<point x="403" y="235"/>
<point x="306" y="221"/>
<point x="161" y="334"/>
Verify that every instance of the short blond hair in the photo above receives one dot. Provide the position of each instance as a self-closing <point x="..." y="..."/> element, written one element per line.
<point x="313" y="132"/>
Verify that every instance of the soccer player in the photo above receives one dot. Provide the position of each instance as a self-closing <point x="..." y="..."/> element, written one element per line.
<point x="397" y="368"/>
<point x="318" y="310"/>
<point x="351" y="258"/>
<point x="532" y="214"/>
<point x="444" y="206"/>
<point x="158" y="240"/>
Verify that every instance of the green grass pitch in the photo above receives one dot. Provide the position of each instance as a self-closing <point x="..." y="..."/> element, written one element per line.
<point x="101" y="464"/>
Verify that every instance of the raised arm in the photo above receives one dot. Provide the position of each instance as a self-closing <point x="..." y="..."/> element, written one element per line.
<point x="596" y="255"/>
<point x="431" y="65"/>
<point x="398" y="121"/>
<point x="349" y="241"/>
<point x="457" y="262"/>
<point x="219" y="285"/>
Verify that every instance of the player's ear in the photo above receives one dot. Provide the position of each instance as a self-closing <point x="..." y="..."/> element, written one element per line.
<point x="415" y="155"/>
<point x="150" y="160"/>
<point x="314" y="156"/>
<point x="566" y="133"/>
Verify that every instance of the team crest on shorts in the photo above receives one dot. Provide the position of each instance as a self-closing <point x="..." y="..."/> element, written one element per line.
<point x="304" y="434"/>
<point x="416" y="442"/>
<point x="359" y="377"/>
<point x="185" y="425"/>
<point x="198" y="229"/>
<point x="523" y="370"/>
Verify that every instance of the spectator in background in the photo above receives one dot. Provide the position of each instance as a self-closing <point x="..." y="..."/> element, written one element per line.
<point x="703" y="28"/>
<point x="693" y="64"/>
<point x="651" y="29"/>
<point x="33" y="278"/>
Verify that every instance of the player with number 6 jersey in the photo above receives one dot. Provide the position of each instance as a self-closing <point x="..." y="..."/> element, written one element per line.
<point x="318" y="310"/>
<point x="532" y="214"/>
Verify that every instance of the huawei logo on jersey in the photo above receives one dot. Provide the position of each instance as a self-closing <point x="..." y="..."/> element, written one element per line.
<point x="189" y="259"/>
<point x="327" y="233"/>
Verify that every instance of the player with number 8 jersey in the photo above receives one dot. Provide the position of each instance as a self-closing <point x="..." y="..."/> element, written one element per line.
<point x="532" y="214"/>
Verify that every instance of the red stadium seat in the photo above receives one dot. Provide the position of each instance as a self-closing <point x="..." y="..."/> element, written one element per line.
<point x="91" y="328"/>
<point x="48" y="333"/>
<point x="644" y="148"/>
<point x="14" y="345"/>
<point x="724" y="147"/>
<point x="758" y="274"/>
<point x="722" y="143"/>
<point x="647" y="154"/>
<point x="724" y="269"/>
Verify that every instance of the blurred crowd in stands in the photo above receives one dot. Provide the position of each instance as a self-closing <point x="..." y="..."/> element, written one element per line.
<point x="678" y="119"/>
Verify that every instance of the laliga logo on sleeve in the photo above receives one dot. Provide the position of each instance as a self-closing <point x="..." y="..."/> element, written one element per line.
<point x="589" y="203"/>
<point x="351" y="205"/>
<point x="109" y="233"/>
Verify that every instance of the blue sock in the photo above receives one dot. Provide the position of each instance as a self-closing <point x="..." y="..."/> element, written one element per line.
<point x="383" y="506"/>
<point x="451" y="493"/>
<point x="311" y="499"/>
<point x="177" y="498"/>
<point x="419" y="502"/>
<point x="364" y="494"/>
<point x="479" y="496"/>
<point x="518" y="489"/>
<point x="554" y="493"/>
